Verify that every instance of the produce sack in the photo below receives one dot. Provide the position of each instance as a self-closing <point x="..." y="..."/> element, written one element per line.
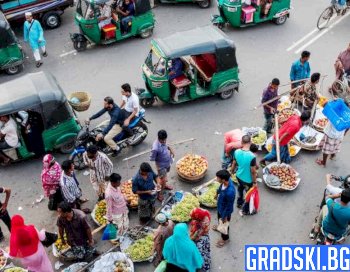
<point x="233" y="140"/>
<point x="110" y="232"/>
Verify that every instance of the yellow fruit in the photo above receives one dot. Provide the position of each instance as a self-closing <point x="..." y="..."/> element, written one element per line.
<point x="192" y="165"/>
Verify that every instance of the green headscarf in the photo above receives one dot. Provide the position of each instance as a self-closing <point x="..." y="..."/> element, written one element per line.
<point x="181" y="251"/>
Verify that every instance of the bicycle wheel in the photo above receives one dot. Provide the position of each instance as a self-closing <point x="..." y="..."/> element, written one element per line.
<point x="324" y="18"/>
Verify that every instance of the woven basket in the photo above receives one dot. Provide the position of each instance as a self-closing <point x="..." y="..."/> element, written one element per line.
<point x="84" y="98"/>
<point x="191" y="179"/>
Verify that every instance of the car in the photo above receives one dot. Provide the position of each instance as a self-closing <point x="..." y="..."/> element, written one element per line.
<point x="47" y="11"/>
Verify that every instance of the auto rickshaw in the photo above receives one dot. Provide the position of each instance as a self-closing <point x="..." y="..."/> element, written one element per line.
<point x="88" y="12"/>
<point x="39" y="93"/>
<point x="240" y="13"/>
<point x="200" y="3"/>
<point x="11" y="54"/>
<point x="205" y="63"/>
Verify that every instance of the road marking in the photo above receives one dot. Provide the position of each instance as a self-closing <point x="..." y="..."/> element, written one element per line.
<point x="68" y="53"/>
<point x="302" y="39"/>
<point x="321" y="34"/>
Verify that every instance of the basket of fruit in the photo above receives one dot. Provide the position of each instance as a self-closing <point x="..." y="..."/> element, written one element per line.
<point x="281" y="177"/>
<point x="99" y="212"/>
<point x="15" y="269"/>
<point x="284" y="115"/>
<point x="260" y="138"/>
<point x="284" y="103"/>
<point x="113" y="262"/>
<point x="206" y="193"/>
<point x="294" y="149"/>
<point x="180" y="212"/>
<point x="141" y="250"/>
<point x="192" y="168"/>
<point x="322" y="101"/>
<point x="58" y="247"/>
<point x="308" y="138"/>
<point x="133" y="199"/>
<point x="320" y="121"/>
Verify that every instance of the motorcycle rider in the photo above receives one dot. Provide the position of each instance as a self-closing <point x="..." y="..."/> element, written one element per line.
<point x="330" y="190"/>
<point x="115" y="124"/>
<point x="130" y="103"/>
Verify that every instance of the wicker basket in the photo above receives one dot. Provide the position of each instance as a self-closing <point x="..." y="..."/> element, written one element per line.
<point x="191" y="179"/>
<point x="84" y="98"/>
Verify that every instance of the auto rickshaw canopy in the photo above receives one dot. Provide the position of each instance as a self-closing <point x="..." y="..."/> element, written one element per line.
<point x="198" y="41"/>
<point x="6" y="33"/>
<point x="141" y="6"/>
<point x="35" y="91"/>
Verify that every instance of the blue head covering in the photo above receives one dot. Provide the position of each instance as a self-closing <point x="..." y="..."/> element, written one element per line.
<point x="181" y="251"/>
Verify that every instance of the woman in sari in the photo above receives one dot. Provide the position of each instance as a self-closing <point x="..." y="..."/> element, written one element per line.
<point x="50" y="178"/>
<point x="25" y="245"/>
<point x="199" y="233"/>
<point x="181" y="252"/>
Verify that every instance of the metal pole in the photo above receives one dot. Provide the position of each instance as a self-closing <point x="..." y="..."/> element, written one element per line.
<point x="277" y="140"/>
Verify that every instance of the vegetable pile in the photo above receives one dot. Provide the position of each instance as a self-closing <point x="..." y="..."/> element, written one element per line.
<point x="181" y="211"/>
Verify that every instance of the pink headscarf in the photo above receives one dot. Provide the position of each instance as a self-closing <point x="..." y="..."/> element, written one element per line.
<point x="50" y="175"/>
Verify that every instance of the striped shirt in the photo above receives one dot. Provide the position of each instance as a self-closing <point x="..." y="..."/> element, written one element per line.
<point x="70" y="188"/>
<point x="100" y="168"/>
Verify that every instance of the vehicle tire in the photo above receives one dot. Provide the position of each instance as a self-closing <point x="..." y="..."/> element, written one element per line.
<point x="281" y="20"/>
<point x="146" y="34"/>
<point x="51" y="20"/>
<point x="137" y="131"/>
<point x="324" y="18"/>
<point x="80" y="45"/>
<point x="68" y="147"/>
<point x="78" y="161"/>
<point x="204" y="4"/>
<point x="219" y="25"/>
<point x="14" y="70"/>
<point x="226" y="94"/>
<point x="147" y="102"/>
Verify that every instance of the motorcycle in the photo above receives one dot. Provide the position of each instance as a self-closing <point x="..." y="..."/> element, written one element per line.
<point x="86" y="137"/>
<point x="323" y="238"/>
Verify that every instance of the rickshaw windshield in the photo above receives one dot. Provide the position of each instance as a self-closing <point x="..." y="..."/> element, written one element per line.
<point x="7" y="35"/>
<point x="155" y="63"/>
<point x="84" y="8"/>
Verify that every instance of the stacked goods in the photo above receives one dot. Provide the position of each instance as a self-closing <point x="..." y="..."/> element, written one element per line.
<point x="284" y="105"/>
<point x="292" y="150"/>
<point x="259" y="138"/>
<point x="59" y="245"/>
<point x="321" y="123"/>
<point x="100" y="212"/>
<point x="126" y="189"/>
<point x="122" y="266"/>
<point x="286" y="175"/>
<point x="181" y="211"/>
<point x="207" y="198"/>
<point x="141" y="250"/>
<point x="3" y="259"/>
<point x="284" y="115"/>
<point x="192" y="166"/>
<point x="322" y="101"/>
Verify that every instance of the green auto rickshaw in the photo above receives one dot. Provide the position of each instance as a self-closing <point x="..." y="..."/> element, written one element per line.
<point x="39" y="94"/>
<point x="240" y="13"/>
<point x="200" y="3"/>
<point x="116" y="28"/>
<point x="189" y="65"/>
<point x="11" y="54"/>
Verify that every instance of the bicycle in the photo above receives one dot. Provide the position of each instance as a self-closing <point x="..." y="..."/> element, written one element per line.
<point x="329" y="12"/>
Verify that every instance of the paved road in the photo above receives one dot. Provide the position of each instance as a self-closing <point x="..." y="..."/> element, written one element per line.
<point x="285" y="218"/>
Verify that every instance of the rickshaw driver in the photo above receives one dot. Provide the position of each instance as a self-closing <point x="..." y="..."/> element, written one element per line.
<point x="8" y="136"/>
<point x="115" y="124"/>
<point x="105" y="16"/>
<point x="127" y="10"/>
<point x="175" y="70"/>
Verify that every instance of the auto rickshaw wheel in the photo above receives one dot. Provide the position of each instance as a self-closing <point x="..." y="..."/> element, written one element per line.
<point x="147" y="33"/>
<point x="80" y="45"/>
<point x="147" y="102"/>
<point x="219" y="25"/>
<point x="204" y="4"/>
<point x="51" y="20"/>
<point x="68" y="147"/>
<point x="226" y="94"/>
<point x="281" y="20"/>
<point x="14" y="70"/>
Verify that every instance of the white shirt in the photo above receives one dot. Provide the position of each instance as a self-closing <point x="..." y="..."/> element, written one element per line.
<point x="131" y="103"/>
<point x="9" y="129"/>
<point x="332" y="190"/>
<point x="331" y="132"/>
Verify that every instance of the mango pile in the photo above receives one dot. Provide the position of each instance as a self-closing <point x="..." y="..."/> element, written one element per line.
<point x="126" y="189"/>
<point x="192" y="165"/>
<point x="59" y="244"/>
<point x="100" y="212"/>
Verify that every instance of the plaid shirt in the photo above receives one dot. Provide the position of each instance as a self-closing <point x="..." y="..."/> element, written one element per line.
<point x="70" y="188"/>
<point x="102" y="167"/>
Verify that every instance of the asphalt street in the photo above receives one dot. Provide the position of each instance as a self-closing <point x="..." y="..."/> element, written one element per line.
<point x="263" y="52"/>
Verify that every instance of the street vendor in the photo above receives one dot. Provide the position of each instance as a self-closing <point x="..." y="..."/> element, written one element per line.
<point x="74" y="224"/>
<point x="145" y="184"/>
<point x="342" y="63"/>
<point x="269" y="93"/>
<point x="286" y="133"/>
<point x="309" y="91"/>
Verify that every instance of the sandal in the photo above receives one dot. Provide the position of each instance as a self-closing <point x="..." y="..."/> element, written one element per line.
<point x="220" y="243"/>
<point x="214" y="227"/>
<point x="320" y="163"/>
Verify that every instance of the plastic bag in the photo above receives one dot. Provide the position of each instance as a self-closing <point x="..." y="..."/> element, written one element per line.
<point x="110" y="232"/>
<point x="161" y="267"/>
